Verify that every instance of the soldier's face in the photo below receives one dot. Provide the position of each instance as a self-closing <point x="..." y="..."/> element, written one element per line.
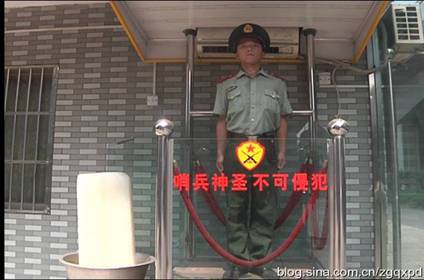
<point x="249" y="51"/>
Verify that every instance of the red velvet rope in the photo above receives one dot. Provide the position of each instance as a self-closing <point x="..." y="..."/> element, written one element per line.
<point x="318" y="240"/>
<point x="211" y="201"/>
<point x="293" y="199"/>
<point x="241" y="262"/>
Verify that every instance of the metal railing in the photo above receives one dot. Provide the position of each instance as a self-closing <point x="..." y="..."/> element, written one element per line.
<point x="210" y="113"/>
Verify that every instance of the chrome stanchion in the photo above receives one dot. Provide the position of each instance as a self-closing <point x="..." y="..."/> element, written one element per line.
<point x="310" y="45"/>
<point x="190" y="36"/>
<point x="163" y="206"/>
<point x="337" y="206"/>
<point x="397" y="244"/>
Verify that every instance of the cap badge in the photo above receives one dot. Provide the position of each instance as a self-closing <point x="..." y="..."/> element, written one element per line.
<point x="248" y="28"/>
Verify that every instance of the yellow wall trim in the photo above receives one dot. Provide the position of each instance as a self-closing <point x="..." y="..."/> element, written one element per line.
<point x="124" y="24"/>
<point x="380" y="12"/>
<point x="133" y="40"/>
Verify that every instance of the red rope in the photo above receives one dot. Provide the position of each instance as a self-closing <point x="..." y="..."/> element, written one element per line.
<point x="293" y="199"/>
<point x="211" y="201"/>
<point x="224" y="253"/>
<point x="318" y="240"/>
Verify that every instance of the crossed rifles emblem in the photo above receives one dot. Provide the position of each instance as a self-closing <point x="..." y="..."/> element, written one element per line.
<point x="250" y="154"/>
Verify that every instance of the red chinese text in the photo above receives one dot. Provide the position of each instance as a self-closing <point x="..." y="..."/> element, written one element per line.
<point x="300" y="182"/>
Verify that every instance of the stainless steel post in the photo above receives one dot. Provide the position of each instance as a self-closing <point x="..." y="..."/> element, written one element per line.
<point x="337" y="206"/>
<point x="394" y="168"/>
<point x="310" y="45"/>
<point x="190" y="35"/>
<point x="163" y="205"/>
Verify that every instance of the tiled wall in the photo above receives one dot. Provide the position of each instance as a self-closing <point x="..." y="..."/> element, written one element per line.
<point x="101" y="99"/>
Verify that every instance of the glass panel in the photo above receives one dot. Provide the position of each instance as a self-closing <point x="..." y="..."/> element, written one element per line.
<point x="46" y="92"/>
<point x="23" y="90"/>
<point x="16" y="185"/>
<point x="11" y="95"/>
<point x="309" y="245"/>
<point x="19" y="138"/>
<point x="6" y="184"/>
<point x="408" y="88"/>
<point x="387" y="224"/>
<point x="8" y="132"/>
<point x="31" y="138"/>
<point x="35" y="90"/>
<point x="28" y="186"/>
<point x="43" y="138"/>
<point x="40" y="183"/>
<point x="5" y="79"/>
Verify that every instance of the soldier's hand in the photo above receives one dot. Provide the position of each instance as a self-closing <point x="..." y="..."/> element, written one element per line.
<point x="281" y="160"/>
<point x="220" y="163"/>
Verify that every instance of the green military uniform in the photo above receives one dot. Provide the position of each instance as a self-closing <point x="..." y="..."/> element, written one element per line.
<point x="251" y="106"/>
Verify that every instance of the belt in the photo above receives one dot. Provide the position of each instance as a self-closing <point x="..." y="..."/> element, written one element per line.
<point x="231" y="134"/>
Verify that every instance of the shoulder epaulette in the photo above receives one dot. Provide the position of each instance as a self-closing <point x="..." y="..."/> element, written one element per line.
<point x="224" y="78"/>
<point x="278" y="76"/>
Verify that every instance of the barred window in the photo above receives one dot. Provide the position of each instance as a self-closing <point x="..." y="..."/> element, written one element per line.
<point x="29" y="102"/>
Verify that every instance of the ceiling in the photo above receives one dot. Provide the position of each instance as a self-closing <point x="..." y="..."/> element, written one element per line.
<point x="343" y="27"/>
<point x="155" y="28"/>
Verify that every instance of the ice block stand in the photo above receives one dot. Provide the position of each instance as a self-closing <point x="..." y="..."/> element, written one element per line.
<point x="106" y="241"/>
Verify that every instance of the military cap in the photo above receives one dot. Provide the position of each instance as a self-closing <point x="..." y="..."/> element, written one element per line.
<point x="248" y="30"/>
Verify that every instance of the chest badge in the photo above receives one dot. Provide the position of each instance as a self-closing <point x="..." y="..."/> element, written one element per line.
<point x="250" y="154"/>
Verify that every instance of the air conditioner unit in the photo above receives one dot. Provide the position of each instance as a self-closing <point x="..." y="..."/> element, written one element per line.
<point x="405" y="28"/>
<point x="213" y="42"/>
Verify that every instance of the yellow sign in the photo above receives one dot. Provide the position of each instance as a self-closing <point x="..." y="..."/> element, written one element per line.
<point x="250" y="154"/>
<point x="248" y="28"/>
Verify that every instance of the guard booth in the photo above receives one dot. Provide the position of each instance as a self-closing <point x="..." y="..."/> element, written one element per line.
<point x="347" y="65"/>
<point x="310" y="231"/>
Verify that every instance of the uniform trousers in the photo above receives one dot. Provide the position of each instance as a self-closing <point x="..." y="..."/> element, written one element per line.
<point x="251" y="213"/>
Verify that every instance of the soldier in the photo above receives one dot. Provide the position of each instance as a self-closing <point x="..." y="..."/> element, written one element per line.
<point x="250" y="105"/>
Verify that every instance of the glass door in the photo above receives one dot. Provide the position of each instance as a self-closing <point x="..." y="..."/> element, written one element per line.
<point x="408" y="210"/>
<point x="397" y="108"/>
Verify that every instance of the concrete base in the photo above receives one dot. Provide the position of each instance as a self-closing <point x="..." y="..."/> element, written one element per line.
<point x="205" y="273"/>
<point x="216" y="270"/>
<point x="76" y="271"/>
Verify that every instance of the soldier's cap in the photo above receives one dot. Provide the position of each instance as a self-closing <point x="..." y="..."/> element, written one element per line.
<point x="249" y="30"/>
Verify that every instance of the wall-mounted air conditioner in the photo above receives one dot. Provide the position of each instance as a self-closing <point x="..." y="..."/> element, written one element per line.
<point x="213" y="42"/>
<point x="405" y="26"/>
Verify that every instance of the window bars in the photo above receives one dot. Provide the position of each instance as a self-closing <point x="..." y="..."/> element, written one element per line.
<point x="29" y="102"/>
